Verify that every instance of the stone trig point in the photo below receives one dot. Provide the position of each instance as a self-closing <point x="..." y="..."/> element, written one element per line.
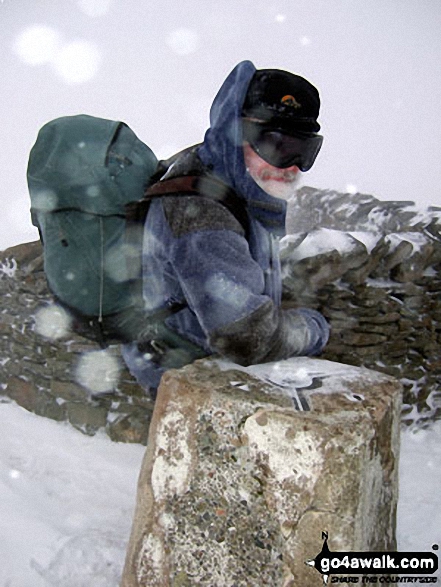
<point x="246" y="467"/>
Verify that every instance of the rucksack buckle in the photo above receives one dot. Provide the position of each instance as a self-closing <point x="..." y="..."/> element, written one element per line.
<point x="155" y="349"/>
<point x="159" y="346"/>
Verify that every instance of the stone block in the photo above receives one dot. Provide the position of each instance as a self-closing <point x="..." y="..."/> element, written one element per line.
<point x="130" y="427"/>
<point x="246" y="467"/>
<point x="363" y="338"/>
<point x="87" y="418"/>
<point x="68" y="390"/>
<point x="49" y="407"/>
<point x="23" y="392"/>
<point x="23" y="253"/>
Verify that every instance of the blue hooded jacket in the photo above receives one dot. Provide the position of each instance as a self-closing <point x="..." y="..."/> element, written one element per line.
<point x="195" y="252"/>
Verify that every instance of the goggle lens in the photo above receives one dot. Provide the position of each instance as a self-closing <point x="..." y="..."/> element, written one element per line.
<point x="283" y="150"/>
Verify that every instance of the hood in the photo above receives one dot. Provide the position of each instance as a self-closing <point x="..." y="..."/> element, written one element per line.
<point x="222" y="149"/>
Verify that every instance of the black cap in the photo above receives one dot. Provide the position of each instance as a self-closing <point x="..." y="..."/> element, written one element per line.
<point x="284" y="100"/>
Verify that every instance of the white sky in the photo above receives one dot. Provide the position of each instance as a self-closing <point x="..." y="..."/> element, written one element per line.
<point x="158" y="64"/>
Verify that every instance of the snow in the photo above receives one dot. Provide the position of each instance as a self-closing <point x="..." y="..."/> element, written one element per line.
<point x="94" y="8"/>
<point x="66" y="503"/>
<point x="292" y="375"/>
<point x="422" y="215"/>
<point x="67" y="500"/>
<point x="37" y="44"/>
<point x="296" y="371"/>
<point x="9" y="267"/>
<point x="416" y="239"/>
<point x="98" y="371"/>
<point x="351" y="188"/>
<point x="52" y="322"/>
<point x="367" y="237"/>
<point x="45" y="200"/>
<point x="419" y="512"/>
<point x="76" y="61"/>
<point x="322" y="240"/>
<point x="305" y="41"/>
<point x="183" y="41"/>
<point x="280" y="18"/>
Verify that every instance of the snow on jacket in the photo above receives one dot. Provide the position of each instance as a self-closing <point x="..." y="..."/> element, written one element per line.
<point x="196" y="252"/>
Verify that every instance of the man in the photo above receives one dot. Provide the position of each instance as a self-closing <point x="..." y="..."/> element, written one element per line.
<point x="221" y="275"/>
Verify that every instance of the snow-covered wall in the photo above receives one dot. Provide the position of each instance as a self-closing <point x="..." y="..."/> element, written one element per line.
<point x="371" y="267"/>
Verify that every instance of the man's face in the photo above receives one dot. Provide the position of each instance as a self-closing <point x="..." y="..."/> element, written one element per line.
<point x="275" y="181"/>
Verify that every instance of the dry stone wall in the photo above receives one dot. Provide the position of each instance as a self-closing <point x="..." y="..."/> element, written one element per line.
<point x="42" y="374"/>
<point x="372" y="268"/>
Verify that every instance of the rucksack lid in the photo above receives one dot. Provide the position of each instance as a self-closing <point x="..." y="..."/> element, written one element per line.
<point x="88" y="164"/>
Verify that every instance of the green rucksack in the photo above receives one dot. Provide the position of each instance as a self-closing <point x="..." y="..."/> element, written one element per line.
<point x="82" y="173"/>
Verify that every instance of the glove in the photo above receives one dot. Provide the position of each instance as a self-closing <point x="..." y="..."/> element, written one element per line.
<point x="319" y="330"/>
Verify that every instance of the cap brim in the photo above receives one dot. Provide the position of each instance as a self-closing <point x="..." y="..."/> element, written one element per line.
<point x="286" y="123"/>
<point x="292" y="125"/>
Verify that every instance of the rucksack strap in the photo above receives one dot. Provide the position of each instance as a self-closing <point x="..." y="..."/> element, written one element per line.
<point x="165" y="164"/>
<point x="205" y="185"/>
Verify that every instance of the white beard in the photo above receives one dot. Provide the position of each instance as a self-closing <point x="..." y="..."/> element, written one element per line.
<point x="278" y="189"/>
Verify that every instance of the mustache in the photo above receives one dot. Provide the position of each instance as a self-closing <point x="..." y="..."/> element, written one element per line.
<point x="267" y="175"/>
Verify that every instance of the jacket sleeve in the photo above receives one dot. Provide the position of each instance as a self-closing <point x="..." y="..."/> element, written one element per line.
<point x="224" y="287"/>
<point x="271" y="334"/>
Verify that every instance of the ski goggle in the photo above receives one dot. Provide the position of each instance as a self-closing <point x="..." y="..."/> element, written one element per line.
<point x="281" y="149"/>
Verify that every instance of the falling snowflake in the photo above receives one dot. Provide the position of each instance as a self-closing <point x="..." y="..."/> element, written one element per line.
<point x="98" y="371"/>
<point x="94" y="8"/>
<point x="37" y="44"/>
<point x="183" y="41"/>
<point x="77" y="62"/>
<point x="52" y="322"/>
<point x="45" y="200"/>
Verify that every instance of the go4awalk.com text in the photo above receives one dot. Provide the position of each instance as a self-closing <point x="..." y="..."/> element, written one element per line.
<point x="375" y="567"/>
<point x="399" y="563"/>
<point x="383" y="580"/>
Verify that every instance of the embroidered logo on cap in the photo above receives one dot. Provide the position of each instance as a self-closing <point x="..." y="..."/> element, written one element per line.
<point x="289" y="100"/>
